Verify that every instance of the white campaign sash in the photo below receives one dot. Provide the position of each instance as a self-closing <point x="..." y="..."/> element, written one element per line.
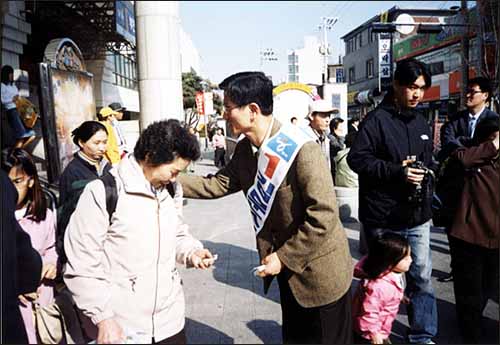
<point x="276" y="155"/>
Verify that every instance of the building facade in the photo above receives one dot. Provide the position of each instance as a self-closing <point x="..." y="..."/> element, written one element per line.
<point x="305" y="64"/>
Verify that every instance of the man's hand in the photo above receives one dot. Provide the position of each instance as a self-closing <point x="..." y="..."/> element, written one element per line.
<point x="377" y="338"/>
<point x="202" y="258"/>
<point x="49" y="271"/>
<point x="413" y="176"/>
<point x="109" y="332"/>
<point x="273" y="265"/>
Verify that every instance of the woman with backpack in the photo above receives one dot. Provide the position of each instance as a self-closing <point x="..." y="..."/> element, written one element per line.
<point x="87" y="165"/>
<point x="36" y="219"/>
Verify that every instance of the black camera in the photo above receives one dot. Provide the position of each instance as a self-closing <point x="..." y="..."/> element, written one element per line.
<point x="417" y="194"/>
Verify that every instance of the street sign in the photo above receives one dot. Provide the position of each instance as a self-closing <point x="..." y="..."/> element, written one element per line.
<point x="384" y="61"/>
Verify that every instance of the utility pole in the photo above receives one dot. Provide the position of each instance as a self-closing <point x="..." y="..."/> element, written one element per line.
<point x="465" y="55"/>
<point x="327" y="24"/>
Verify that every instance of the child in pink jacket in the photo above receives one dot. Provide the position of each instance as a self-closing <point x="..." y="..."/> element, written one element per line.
<point x="381" y="289"/>
<point x="40" y="223"/>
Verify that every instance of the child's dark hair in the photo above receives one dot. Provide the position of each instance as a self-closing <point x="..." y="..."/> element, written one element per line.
<point x="20" y="159"/>
<point x="86" y="131"/>
<point x="385" y="252"/>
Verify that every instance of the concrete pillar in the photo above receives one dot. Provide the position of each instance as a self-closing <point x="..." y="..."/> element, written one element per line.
<point x="158" y="61"/>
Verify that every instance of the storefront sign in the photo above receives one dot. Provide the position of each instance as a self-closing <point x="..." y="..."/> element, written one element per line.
<point x="125" y="20"/>
<point x="200" y="103"/>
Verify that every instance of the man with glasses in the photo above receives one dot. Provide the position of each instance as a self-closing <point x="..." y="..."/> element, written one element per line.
<point x="458" y="132"/>
<point x="299" y="236"/>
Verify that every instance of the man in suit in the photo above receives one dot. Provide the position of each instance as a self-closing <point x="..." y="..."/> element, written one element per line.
<point x="21" y="266"/>
<point x="458" y="132"/>
<point x="301" y="241"/>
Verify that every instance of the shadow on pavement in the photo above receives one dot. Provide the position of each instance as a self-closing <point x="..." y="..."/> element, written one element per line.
<point x="234" y="268"/>
<point x="269" y="331"/>
<point x="199" y="333"/>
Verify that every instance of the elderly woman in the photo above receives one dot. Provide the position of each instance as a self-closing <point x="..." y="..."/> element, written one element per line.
<point x="123" y="275"/>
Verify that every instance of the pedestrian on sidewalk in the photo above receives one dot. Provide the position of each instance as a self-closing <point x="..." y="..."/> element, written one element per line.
<point x="474" y="234"/>
<point x="9" y="96"/>
<point x="107" y="117"/>
<point x="121" y="268"/>
<point x="392" y="155"/>
<point x="455" y="134"/>
<point x="300" y="238"/>
<point x="39" y="222"/>
<point x="381" y="289"/>
<point x="219" y="143"/>
<point x="120" y="135"/>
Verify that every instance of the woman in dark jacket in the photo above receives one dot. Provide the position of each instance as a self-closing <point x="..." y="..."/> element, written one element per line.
<point x="87" y="165"/>
<point x="474" y="234"/>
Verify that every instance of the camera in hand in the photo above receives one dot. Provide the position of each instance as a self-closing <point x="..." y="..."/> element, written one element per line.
<point x="417" y="195"/>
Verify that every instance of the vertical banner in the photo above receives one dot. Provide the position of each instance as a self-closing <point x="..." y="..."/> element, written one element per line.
<point x="200" y="103"/>
<point x="384" y="61"/>
<point x="208" y="103"/>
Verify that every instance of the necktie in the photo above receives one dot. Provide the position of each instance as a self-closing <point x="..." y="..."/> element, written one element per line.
<point x="472" y="126"/>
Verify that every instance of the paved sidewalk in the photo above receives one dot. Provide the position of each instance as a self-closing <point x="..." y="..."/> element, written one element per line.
<point x="226" y="304"/>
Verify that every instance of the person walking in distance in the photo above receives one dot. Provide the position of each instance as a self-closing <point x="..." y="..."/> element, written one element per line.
<point x="219" y="142"/>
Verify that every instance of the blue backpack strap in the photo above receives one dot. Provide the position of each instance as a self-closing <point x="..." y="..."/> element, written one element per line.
<point x="111" y="193"/>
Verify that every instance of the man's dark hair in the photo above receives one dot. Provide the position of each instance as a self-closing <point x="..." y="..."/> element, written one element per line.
<point x="86" y="131"/>
<point x="385" y="252"/>
<point x="6" y="70"/>
<point x="334" y="124"/>
<point x="407" y="71"/>
<point x="249" y="87"/>
<point x="163" y="141"/>
<point x="483" y="83"/>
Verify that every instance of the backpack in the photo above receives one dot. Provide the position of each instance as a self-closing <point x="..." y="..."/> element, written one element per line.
<point x="65" y="211"/>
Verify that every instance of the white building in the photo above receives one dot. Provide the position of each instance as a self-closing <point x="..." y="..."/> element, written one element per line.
<point x="190" y="57"/>
<point x="305" y="64"/>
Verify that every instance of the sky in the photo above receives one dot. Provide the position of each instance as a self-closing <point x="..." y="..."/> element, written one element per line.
<point x="230" y="35"/>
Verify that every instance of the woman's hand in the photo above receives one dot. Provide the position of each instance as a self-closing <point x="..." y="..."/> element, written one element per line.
<point x="110" y="332"/>
<point x="202" y="258"/>
<point x="49" y="271"/>
<point x="26" y="298"/>
<point x="377" y="338"/>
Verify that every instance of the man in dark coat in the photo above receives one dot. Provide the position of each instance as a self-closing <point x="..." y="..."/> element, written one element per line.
<point x="21" y="266"/>
<point x="474" y="234"/>
<point x="457" y="133"/>
<point x="395" y="196"/>
<point x="459" y="130"/>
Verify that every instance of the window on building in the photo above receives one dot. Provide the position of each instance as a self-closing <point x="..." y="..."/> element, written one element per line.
<point x="352" y="75"/>
<point x="125" y="71"/>
<point x="369" y="68"/>
<point x="373" y="36"/>
<point x="360" y="39"/>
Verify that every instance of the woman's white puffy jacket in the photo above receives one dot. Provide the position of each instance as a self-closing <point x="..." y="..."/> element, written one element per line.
<point x="126" y="270"/>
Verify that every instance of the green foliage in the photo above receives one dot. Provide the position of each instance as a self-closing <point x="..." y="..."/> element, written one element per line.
<point x="191" y="83"/>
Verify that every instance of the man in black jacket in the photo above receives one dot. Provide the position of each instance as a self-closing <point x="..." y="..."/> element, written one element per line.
<point x="393" y="195"/>
<point x="21" y="266"/>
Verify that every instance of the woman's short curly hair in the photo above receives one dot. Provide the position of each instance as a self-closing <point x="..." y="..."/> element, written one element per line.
<point x="163" y="141"/>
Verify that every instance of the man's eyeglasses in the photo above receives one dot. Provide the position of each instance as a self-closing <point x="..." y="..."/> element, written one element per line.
<point x="472" y="92"/>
